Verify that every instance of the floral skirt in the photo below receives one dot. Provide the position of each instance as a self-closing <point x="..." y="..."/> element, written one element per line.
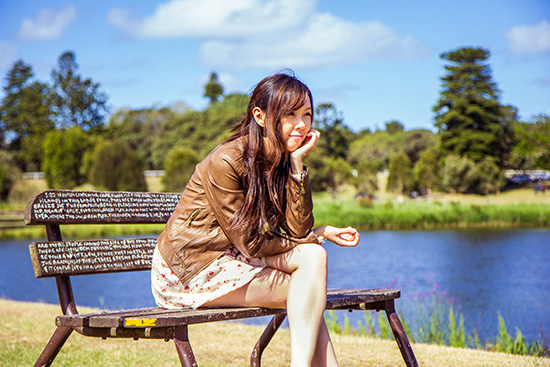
<point x="226" y="274"/>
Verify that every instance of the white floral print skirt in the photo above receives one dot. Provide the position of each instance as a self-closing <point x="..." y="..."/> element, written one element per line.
<point x="226" y="274"/>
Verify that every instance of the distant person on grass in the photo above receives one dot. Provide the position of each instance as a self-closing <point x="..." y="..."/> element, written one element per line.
<point x="242" y="234"/>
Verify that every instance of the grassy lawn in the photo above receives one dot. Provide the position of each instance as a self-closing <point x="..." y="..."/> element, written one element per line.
<point x="26" y="327"/>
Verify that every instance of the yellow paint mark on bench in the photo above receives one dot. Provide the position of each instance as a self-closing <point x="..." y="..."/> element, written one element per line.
<point x="140" y="322"/>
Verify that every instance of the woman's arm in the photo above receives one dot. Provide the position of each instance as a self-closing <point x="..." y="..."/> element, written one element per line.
<point x="348" y="237"/>
<point x="222" y="183"/>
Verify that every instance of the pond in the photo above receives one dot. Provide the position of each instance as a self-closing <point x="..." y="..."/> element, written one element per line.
<point x="486" y="271"/>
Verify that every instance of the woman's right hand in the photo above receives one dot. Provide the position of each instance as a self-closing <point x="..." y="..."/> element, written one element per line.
<point x="297" y="156"/>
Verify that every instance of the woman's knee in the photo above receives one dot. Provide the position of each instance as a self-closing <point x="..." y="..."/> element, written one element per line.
<point x="312" y="255"/>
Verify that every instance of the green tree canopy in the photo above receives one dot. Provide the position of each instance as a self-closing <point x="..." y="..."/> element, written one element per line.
<point x="457" y="174"/>
<point x="9" y="173"/>
<point x="213" y="89"/>
<point x="532" y="150"/>
<point x="400" y="179"/>
<point x="63" y="155"/>
<point x="117" y="167"/>
<point x="394" y="126"/>
<point x="76" y="101"/>
<point x="24" y="117"/>
<point x="471" y="121"/>
<point x="487" y="177"/>
<point x="180" y="164"/>
<point x="143" y="131"/>
<point x="336" y="136"/>
<point x="426" y="171"/>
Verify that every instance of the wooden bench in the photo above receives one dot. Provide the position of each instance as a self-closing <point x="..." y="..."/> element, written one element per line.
<point x="62" y="259"/>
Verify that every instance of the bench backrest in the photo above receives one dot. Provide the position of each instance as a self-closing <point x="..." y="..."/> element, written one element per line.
<point x="62" y="258"/>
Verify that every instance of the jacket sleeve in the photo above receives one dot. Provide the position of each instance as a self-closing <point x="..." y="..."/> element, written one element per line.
<point x="299" y="207"/>
<point x="223" y="186"/>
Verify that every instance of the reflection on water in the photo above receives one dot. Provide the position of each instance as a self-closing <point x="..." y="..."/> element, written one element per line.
<point x="488" y="271"/>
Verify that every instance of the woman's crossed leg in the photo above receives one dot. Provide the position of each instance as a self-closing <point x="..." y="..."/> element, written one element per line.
<point x="297" y="280"/>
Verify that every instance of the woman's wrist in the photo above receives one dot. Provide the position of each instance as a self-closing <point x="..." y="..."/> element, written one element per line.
<point x="297" y="166"/>
<point x="319" y="232"/>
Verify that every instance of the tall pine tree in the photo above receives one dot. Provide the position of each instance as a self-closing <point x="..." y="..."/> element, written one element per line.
<point x="24" y="117"/>
<point x="471" y="120"/>
<point x="76" y="101"/>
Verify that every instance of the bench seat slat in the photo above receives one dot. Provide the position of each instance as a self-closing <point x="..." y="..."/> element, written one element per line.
<point x="157" y="317"/>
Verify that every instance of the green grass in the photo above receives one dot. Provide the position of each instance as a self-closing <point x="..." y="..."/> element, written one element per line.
<point x="26" y="327"/>
<point x="430" y="215"/>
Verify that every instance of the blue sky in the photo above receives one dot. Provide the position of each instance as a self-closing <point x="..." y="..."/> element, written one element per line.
<point x="377" y="61"/>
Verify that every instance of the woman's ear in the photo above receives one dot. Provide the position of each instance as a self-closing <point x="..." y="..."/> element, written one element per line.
<point x="259" y="116"/>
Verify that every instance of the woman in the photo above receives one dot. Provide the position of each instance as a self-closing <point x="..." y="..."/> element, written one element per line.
<point x="241" y="234"/>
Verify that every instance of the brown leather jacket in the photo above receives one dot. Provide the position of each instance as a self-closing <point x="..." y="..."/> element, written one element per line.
<point x="198" y="231"/>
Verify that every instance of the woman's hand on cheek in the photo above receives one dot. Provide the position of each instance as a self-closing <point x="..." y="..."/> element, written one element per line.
<point x="310" y="142"/>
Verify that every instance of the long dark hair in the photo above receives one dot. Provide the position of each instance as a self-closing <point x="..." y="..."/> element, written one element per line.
<point x="268" y="165"/>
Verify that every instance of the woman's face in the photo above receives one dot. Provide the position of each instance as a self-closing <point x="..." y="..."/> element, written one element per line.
<point x="296" y="125"/>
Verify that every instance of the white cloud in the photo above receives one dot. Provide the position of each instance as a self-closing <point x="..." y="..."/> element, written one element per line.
<point x="325" y="40"/>
<point x="241" y="34"/>
<point x="213" y="18"/>
<point x="8" y="52"/>
<point x="48" y="24"/>
<point x="530" y="39"/>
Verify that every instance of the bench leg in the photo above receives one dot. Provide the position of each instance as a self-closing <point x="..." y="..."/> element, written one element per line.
<point x="181" y="340"/>
<point x="266" y="337"/>
<point x="53" y="347"/>
<point x="400" y="336"/>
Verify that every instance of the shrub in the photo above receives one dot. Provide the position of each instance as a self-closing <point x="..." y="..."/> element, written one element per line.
<point x="117" y="167"/>
<point x="179" y="167"/>
<point x="8" y="173"/>
<point x="63" y="152"/>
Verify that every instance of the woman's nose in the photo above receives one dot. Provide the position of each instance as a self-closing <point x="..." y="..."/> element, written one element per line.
<point x="301" y="124"/>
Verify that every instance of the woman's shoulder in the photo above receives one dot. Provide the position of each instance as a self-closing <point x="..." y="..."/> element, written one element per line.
<point x="227" y="155"/>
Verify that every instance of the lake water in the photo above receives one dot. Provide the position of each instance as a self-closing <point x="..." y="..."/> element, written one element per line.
<point x="486" y="271"/>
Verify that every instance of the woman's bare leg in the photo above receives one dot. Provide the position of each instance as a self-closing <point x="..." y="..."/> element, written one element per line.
<point x="295" y="279"/>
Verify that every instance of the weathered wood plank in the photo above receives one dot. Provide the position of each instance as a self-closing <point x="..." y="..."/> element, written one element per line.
<point x="99" y="207"/>
<point x="51" y="259"/>
<point x="157" y="317"/>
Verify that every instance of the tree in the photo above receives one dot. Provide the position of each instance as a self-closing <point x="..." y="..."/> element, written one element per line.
<point x="9" y="173"/>
<point x="471" y="121"/>
<point x="456" y="174"/>
<point x="400" y="179"/>
<point x="143" y="130"/>
<point x="336" y="135"/>
<point x="213" y="89"/>
<point x="63" y="154"/>
<point x="179" y="167"/>
<point x="394" y="126"/>
<point x="327" y="173"/>
<point x="487" y="177"/>
<point x="532" y="150"/>
<point x="366" y="179"/>
<point x="117" y="167"/>
<point x="24" y="117"/>
<point x="426" y="171"/>
<point x="76" y="101"/>
<point x="417" y="141"/>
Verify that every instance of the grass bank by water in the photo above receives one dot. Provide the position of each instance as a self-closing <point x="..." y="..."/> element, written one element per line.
<point x="515" y="208"/>
<point x="26" y="327"/>
<point x="431" y="215"/>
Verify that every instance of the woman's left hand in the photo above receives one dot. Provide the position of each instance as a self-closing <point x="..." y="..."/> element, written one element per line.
<point x="347" y="237"/>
